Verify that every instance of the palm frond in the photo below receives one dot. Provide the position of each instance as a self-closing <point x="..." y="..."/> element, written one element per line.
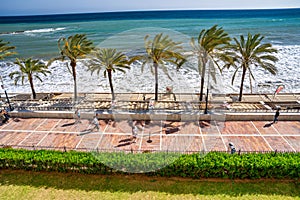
<point x="109" y="60"/>
<point x="251" y="52"/>
<point x="28" y="68"/>
<point x="165" y="70"/>
<point x="5" y="50"/>
<point x="234" y="74"/>
<point x="75" y="46"/>
<point x="39" y="78"/>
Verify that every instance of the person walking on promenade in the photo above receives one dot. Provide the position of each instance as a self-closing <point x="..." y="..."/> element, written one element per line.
<point x="4" y="116"/>
<point x="77" y="113"/>
<point x="134" y="133"/>
<point x="276" y="116"/>
<point x="232" y="148"/>
<point x="96" y="122"/>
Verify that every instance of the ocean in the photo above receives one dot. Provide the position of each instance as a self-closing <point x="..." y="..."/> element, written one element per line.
<point x="36" y="37"/>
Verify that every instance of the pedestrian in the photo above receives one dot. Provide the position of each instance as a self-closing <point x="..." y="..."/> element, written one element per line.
<point x="144" y="97"/>
<point x="113" y="104"/>
<point x="96" y="122"/>
<point x="232" y="148"/>
<point x="276" y="116"/>
<point x="134" y="133"/>
<point x="151" y="104"/>
<point x="77" y="113"/>
<point x="174" y="96"/>
<point x="4" y="116"/>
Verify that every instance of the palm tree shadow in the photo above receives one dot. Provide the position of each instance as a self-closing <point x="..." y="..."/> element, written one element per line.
<point x="125" y="140"/>
<point x="69" y="124"/>
<point x="16" y="120"/>
<point x="124" y="144"/>
<point x="83" y="132"/>
<point x="268" y="125"/>
<point x="205" y="124"/>
<point x="172" y="130"/>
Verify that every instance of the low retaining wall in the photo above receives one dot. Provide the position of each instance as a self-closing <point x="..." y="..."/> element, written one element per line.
<point x="159" y="116"/>
<point x="261" y="116"/>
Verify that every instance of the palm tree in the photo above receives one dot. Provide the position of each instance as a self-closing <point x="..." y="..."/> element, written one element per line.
<point x="111" y="60"/>
<point x="74" y="47"/>
<point x="208" y="49"/>
<point x="29" y="69"/>
<point x="249" y="52"/>
<point x="160" y="51"/>
<point x="4" y="50"/>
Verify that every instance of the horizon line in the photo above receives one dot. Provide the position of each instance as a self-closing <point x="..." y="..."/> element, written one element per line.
<point x="150" y="10"/>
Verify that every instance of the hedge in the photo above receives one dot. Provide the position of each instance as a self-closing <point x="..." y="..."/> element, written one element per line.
<point x="211" y="165"/>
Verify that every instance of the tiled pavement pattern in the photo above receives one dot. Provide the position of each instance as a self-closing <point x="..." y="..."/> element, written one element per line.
<point x="164" y="135"/>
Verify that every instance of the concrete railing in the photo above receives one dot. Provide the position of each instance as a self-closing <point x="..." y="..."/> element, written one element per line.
<point x="171" y="116"/>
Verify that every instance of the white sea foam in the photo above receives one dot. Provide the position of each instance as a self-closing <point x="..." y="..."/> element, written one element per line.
<point x="185" y="80"/>
<point x="28" y="32"/>
<point x="44" y="30"/>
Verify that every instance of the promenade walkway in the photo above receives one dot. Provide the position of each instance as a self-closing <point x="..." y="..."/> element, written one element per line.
<point x="36" y="133"/>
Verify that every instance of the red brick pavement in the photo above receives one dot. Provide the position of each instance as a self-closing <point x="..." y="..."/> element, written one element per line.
<point x="164" y="135"/>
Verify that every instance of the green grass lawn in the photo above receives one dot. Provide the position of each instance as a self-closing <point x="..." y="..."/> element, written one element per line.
<point x="37" y="185"/>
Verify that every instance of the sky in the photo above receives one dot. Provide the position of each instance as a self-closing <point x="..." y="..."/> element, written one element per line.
<point x="39" y="7"/>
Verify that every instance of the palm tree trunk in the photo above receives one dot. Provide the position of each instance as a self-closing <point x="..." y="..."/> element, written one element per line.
<point x="202" y="87"/>
<point x="251" y="89"/>
<point x="111" y="84"/>
<point x="202" y="79"/>
<point x="32" y="87"/>
<point x="73" y="65"/>
<point x="242" y="83"/>
<point x="156" y="80"/>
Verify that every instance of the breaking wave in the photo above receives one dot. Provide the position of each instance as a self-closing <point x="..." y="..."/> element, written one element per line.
<point x="42" y="30"/>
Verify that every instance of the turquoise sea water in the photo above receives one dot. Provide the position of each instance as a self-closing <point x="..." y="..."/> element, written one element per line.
<point x="36" y="36"/>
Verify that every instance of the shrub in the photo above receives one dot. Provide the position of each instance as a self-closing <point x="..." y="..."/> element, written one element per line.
<point x="213" y="165"/>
